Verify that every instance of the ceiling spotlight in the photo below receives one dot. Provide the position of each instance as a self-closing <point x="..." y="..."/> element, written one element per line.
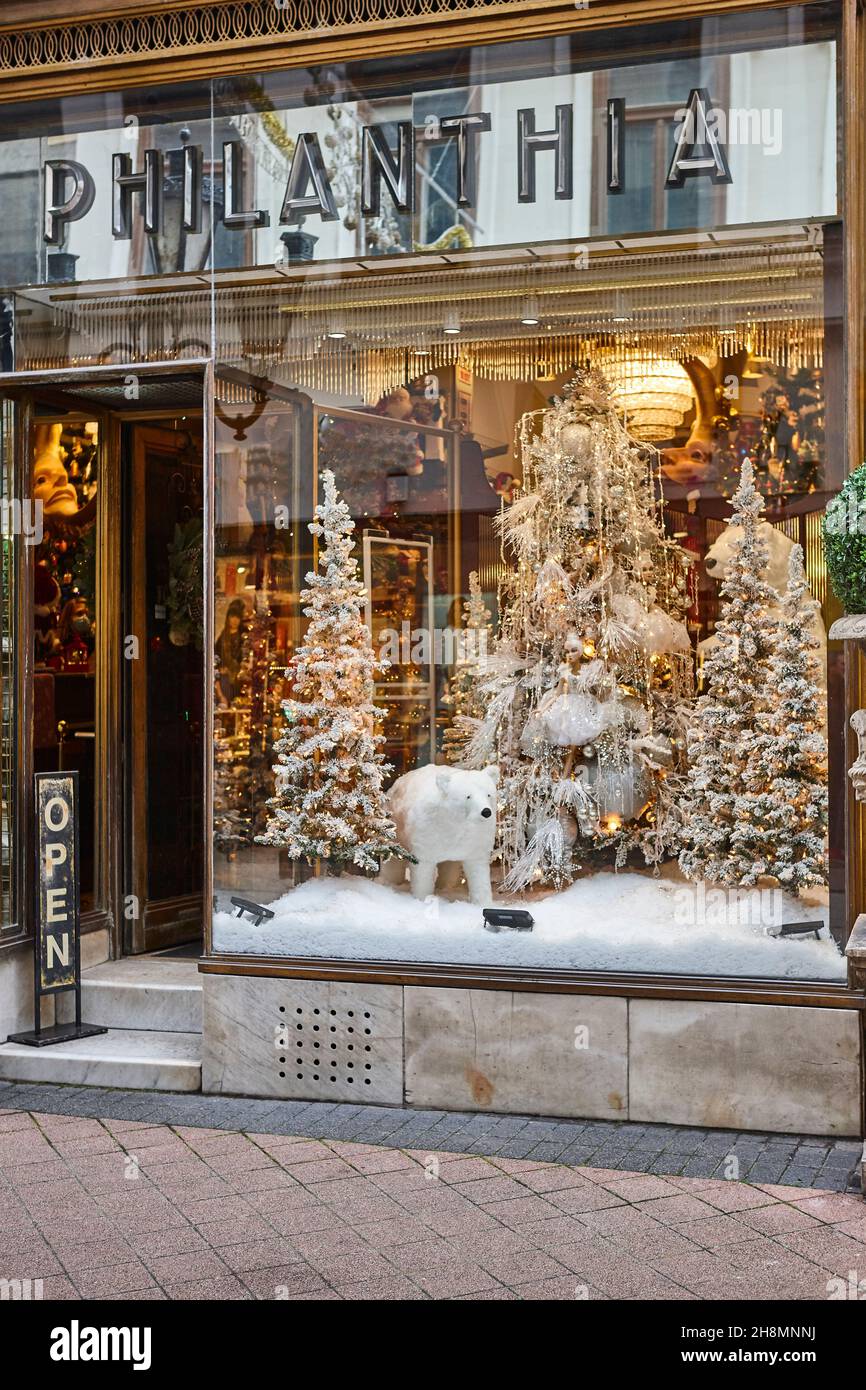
<point x="529" y="316"/>
<point x="337" y="329"/>
<point x="452" y="322"/>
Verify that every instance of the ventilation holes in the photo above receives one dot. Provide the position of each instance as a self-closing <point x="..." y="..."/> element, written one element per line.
<point x="343" y="1067"/>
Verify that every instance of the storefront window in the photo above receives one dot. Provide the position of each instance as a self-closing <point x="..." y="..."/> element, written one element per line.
<point x="575" y="486"/>
<point x="527" y="404"/>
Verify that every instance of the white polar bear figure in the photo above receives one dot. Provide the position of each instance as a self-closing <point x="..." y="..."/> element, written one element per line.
<point x="443" y="815"/>
<point x="778" y="547"/>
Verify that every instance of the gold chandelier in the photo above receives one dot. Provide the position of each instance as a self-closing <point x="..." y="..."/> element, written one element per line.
<point x="654" y="393"/>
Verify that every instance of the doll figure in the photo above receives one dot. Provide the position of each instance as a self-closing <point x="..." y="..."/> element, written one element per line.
<point x="570" y="716"/>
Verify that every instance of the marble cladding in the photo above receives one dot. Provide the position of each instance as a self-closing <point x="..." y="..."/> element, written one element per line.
<point x="760" y="1067"/>
<point x="543" y="1054"/>
<point x="745" y="1066"/>
<point x="303" y="1039"/>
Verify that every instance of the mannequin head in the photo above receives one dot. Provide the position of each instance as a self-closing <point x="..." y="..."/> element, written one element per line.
<point x="234" y="617"/>
<point x="397" y="405"/>
<point x="51" y="485"/>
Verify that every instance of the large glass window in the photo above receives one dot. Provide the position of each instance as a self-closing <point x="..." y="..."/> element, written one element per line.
<point x="505" y="597"/>
<point x="529" y="378"/>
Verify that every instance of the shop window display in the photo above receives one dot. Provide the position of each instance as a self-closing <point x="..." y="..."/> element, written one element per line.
<point x="575" y="661"/>
<point x="548" y="398"/>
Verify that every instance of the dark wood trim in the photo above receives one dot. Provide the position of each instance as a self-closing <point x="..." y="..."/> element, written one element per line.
<point x="746" y="991"/>
<point x="98" y="920"/>
<point x="24" y="638"/>
<point x="208" y="640"/>
<point x="135" y="750"/>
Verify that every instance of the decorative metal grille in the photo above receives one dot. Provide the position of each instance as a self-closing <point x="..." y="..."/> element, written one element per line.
<point x="204" y="26"/>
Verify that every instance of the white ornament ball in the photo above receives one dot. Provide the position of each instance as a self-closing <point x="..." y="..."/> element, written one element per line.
<point x="576" y="440"/>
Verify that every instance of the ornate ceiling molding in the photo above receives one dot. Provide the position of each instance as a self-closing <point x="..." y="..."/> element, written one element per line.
<point x="100" y="46"/>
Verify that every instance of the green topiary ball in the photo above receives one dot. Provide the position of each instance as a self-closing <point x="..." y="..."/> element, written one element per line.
<point x="844" y="531"/>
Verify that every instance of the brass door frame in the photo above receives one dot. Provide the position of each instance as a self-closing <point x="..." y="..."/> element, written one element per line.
<point x="66" y="405"/>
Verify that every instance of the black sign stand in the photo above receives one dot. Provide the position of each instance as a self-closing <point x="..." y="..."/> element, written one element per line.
<point x="56" y="847"/>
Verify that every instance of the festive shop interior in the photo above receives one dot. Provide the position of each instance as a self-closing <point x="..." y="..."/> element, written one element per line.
<point x="431" y="523"/>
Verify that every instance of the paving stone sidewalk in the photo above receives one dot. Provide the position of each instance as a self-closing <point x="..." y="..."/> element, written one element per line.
<point x="128" y="1209"/>
<point x="796" y="1161"/>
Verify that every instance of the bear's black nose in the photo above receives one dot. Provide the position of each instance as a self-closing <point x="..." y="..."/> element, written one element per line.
<point x="486" y="812"/>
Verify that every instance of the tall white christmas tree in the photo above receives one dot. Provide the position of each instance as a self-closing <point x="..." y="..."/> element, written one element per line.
<point x="592" y="661"/>
<point x="784" y="803"/>
<point x="743" y="763"/>
<point x="329" y="803"/>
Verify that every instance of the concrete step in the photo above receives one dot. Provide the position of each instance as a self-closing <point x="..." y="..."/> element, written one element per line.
<point x="148" y="992"/>
<point x="131" y="1059"/>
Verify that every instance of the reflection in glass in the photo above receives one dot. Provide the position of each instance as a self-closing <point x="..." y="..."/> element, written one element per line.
<point x="65" y="481"/>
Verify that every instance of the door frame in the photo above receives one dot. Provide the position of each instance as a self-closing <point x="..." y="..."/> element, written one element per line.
<point x="60" y="383"/>
<point x="146" y="930"/>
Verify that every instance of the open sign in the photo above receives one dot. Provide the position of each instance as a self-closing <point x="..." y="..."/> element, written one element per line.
<point x="56" y="936"/>
<point x="57" y="879"/>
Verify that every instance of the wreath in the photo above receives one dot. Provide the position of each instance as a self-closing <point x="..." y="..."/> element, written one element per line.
<point x="844" y="531"/>
<point x="185" y="601"/>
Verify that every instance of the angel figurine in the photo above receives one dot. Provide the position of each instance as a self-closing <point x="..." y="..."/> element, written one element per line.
<point x="570" y="715"/>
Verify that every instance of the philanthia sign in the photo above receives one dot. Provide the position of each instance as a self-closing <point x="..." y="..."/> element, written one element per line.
<point x="69" y="188"/>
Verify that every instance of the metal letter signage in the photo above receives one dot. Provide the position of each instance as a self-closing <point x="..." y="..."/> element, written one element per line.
<point x="494" y="163"/>
<point x="697" y="131"/>
<point x="57" y="954"/>
<point x="60" y="209"/>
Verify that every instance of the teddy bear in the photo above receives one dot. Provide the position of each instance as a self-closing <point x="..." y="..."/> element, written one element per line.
<point x="443" y="815"/>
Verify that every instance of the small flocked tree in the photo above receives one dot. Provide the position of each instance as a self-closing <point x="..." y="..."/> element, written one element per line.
<point x="784" y="802"/>
<point x="466" y="697"/>
<point x="329" y="803"/>
<point x="726" y="782"/>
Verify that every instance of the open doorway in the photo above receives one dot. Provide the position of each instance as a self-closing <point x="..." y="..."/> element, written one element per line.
<point x="163" y="689"/>
<point x="113" y="617"/>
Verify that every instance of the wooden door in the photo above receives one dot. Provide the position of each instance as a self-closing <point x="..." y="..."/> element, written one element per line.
<point x="164" y="705"/>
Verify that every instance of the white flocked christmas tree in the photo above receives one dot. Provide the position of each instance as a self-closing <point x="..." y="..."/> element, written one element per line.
<point x="755" y="797"/>
<point x="329" y="803"/>
<point x="783" y="825"/>
<point x="465" y="698"/>
<point x="580" y="702"/>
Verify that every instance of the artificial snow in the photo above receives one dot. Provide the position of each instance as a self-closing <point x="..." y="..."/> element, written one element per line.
<point x="626" y="922"/>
